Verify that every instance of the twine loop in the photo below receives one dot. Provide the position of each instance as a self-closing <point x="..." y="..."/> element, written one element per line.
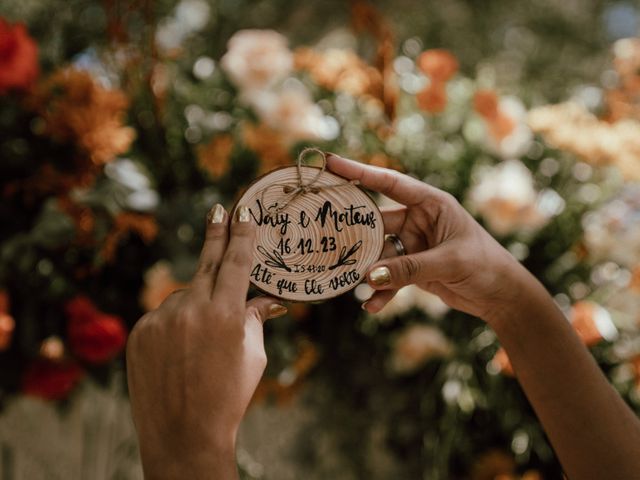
<point x="295" y="190"/>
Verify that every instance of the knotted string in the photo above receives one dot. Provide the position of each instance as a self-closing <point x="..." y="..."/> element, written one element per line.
<point x="293" y="191"/>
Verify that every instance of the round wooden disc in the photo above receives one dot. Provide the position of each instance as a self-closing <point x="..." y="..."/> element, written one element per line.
<point x="321" y="243"/>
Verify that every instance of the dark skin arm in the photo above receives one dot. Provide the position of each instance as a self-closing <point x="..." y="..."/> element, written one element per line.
<point x="594" y="433"/>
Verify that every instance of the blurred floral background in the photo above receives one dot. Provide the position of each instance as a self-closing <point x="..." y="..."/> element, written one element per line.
<point x="122" y="122"/>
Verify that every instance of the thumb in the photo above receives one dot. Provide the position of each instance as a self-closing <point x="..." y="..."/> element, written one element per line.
<point x="397" y="272"/>
<point x="264" y="308"/>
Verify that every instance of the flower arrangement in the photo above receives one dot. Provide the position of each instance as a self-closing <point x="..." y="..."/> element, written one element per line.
<point x="109" y="165"/>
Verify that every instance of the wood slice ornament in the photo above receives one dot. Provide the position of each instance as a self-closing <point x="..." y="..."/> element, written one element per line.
<point x="318" y="233"/>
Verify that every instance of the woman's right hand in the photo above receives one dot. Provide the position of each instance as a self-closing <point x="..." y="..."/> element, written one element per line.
<point x="448" y="252"/>
<point x="452" y="256"/>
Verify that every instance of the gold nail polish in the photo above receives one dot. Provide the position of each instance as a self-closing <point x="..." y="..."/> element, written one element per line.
<point x="277" y="310"/>
<point x="242" y="214"/>
<point x="380" y="276"/>
<point x="216" y="214"/>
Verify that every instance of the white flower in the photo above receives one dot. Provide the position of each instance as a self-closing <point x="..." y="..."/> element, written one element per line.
<point x="517" y="141"/>
<point x="613" y="231"/>
<point x="505" y="197"/>
<point x="137" y="192"/>
<point x="292" y="112"/>
<point x="189" y="16"/>
<point x="416" y="345"/>
<point x="256" y="59"/>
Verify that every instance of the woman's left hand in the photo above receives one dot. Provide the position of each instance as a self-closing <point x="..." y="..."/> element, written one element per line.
<point x="194" y="363"/>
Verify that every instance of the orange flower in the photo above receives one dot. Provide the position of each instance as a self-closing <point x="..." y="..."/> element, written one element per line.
<point x="438" y="64"/>
<point x="7" y="326"/>
<point x="75" y="108"/>
<point x="591" y="322"/>
<point x="159" y="283"/>
<point x="18" y="58"/>
<point x="144" y="225"/>
<point x="366" y="18"/>
<point x="268" y="144"/>
<point x="339" y="70"/>
<point x="485" y="102"/>
<point x="433" y="98"/>
<point x="214" y="156"/>
<point x="500" y="125"/>
<point x="622" y="101"/>
<point x="82" y="216"/>
<point x="502" y="363"/>
<point x="492" y="465"/>
<point x="634" y="283"/>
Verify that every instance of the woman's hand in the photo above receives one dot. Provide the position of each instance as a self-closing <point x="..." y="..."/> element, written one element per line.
<point x="448" y="252"/>
<point x="453" y="257"/>
<point x="194" y="363"/>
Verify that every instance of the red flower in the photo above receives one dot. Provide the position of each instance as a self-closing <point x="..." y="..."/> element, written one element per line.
<point x="94" y="336"/>
<point x="18" y="58"/>
<point x="51" y="380"/>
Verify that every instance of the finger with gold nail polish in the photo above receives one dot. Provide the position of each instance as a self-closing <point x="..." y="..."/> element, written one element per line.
<point x="243" y="215"/>
<point x="277" y="310"/>
<point x="379" y="277"/>
<point x="233" y="279"/>
<point x="216" y="214"/>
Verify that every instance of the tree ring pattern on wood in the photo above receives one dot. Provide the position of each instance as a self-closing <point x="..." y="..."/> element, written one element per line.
<point x="321" y="244"/>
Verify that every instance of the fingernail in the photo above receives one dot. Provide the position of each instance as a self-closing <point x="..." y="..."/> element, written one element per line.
<point x="216" y="214"/>
<point x="364" y="306"/>
<point x="242" y="214"/>
<point x="276" y="310"/>
<point x="380" y="276"/>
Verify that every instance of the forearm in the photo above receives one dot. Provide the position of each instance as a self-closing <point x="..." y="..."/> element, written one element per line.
<point x="593" y="432"/>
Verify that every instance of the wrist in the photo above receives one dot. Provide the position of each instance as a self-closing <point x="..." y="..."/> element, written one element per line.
<point x="190" y="458"/>
<point x="523" y="293"/>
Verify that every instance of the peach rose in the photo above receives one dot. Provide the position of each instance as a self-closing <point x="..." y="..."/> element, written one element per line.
<point x="292" y="112"/>
<point x="504" y="195"/>
<point x="256" y="59"/>
<point x="416" y="345"/>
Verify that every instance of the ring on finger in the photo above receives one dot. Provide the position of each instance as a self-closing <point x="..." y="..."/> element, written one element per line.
<point x="397" y="243"/>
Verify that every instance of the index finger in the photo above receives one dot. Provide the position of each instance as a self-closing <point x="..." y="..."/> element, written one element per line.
<point x="395" y="185"/>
